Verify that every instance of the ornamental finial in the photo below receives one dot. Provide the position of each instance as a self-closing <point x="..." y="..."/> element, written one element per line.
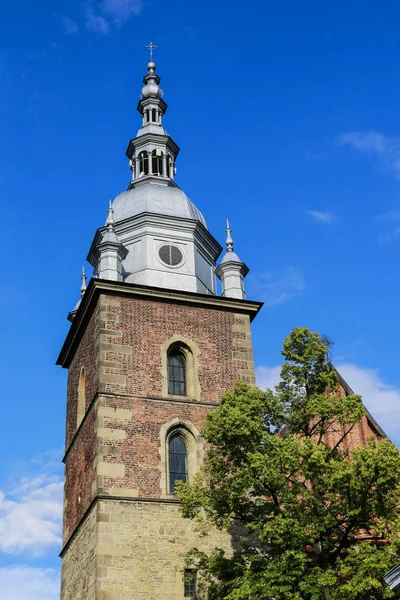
<point x="229" y="240"/>
<point x="83" y="286"/>
<point x="150" y="47"/>
<point x="110" y="218"/>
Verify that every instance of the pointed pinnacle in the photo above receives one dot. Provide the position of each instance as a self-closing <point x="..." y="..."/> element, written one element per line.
<point x="83" y="286"/>
<point x="229" y="240"/>
<point x="110" y="218"/>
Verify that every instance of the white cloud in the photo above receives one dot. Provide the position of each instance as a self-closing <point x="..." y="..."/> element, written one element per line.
<point x="325" y="217"/>
<point x="20" y="582"/>
<point x="102" y="16"/>
<point x="69" y="25"/>
<point x="268" y="377"/>
<point x="30" y="516"/>
<point x="276" y="288"/>
<point x="373" y="143"/>
<point x="381" y="398"/>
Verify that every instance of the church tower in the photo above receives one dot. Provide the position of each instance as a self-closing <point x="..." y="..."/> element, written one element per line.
<point x="151" y="349"/>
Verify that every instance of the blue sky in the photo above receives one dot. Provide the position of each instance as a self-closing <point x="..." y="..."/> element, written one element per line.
<point x="287" y="115"/>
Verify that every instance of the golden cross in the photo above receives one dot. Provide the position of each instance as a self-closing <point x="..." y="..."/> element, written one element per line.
<point x="151" y="47"/>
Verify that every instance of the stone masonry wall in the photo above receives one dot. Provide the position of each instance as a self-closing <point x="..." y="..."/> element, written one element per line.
<point x="141" y="547"/>
<point x="78" y="576"/>
<point x="133" y="551"/>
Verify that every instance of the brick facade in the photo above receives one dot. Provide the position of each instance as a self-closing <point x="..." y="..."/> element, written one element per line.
<point x="115" y="464"/>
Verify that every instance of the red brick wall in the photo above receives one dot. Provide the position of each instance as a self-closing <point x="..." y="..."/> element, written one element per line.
<point x="80" y="474"/>
<point x="359" y="433"/>
<point x="85" y="356"/>
<point x="140" y="450"/>
<point x="146" y="325"/>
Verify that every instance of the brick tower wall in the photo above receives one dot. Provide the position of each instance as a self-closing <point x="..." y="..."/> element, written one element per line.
<point x="116" y="474"/>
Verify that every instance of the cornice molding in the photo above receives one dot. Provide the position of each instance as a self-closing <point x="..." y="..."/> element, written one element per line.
<point x="97" y="287"/>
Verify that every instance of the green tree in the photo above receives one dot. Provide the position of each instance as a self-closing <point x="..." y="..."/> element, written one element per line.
<point x="321" y="522"/>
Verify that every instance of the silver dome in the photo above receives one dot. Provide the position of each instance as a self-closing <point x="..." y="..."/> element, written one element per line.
<point x="157" y="198"/>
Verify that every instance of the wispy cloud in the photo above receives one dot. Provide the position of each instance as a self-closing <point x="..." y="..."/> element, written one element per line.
<point x="20" y="582"/>
<point x="374" y="143"/>
<point x="102" y="16"/>
<point x="68" y="25"/>
<point x="314" y="156"/>
<point x="325" y="217"/>
<point x="381" y="398"/>
<point x="120" y="11"/>
<point x="388" y="219"/>
<point x="390" y="237"/>
<point x="96" y="23"/>
<point x="393" y="215"/>
<point x="276" y="288"/>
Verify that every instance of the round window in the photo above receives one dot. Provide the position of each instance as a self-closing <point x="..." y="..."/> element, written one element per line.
<point x="170" y="255"/>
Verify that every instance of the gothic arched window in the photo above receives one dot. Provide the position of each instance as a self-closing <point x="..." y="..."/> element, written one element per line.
<point x="176" y="372"/>
<point x="177" y="460"/>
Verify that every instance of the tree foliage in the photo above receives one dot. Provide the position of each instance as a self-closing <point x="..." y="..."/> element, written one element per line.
<point x="320" y="521"/>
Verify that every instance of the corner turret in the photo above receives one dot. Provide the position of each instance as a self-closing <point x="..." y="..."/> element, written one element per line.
<point x="231" y="271"/>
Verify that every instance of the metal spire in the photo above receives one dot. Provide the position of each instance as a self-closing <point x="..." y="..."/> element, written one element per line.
<point x="83" y="286"/>
<point x="229" y="240"/>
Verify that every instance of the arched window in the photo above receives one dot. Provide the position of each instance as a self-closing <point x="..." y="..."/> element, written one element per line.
<point x="81" y="398"/>
<point x="144" y="164"/>
<point x="177" y="460"/>
<point x="181" y="452"/>
<point x="157" y="163"/>
<point x="176" y="372"/>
